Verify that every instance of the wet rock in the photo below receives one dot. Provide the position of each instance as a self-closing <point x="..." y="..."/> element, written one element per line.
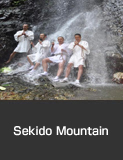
<point x="118" y="77"/>
<point x="114" y="63"/>
<point x="38" y="97"/>
<point x="11" y="89"/>
<point x="21" y="90"/>
<point x="113" y="17"/>
<point x="91" y="90"/>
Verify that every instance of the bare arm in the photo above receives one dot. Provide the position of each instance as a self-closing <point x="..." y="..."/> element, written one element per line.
<point x="32" y="44"/>
<point x="30" y="35"/>
<point x="77" y="43"/>
<point x="63" y="50"/>
<point x="52" y="48"/>
<point x="74" y="45"/>
<point x="17" y="36"/>
<point x="21" y="34"/>
<point x="82" y="47"/>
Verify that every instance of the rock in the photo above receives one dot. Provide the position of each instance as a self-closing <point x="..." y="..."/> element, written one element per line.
<point x="118" y="77"/>
<point x="11" y="89"/>
<point x="114" y="63"/>
<point x="113" y="17"/>
<point x="38" y="97"/>
<point x="117" y="55"/>
<point x="17" y="89"/>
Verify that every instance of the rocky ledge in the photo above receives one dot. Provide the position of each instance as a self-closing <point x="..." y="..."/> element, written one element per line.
<point x="17" y="89"/>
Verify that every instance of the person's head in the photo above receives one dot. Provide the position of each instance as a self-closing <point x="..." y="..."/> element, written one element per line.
<point x="25" y="27"/>
<point x="43" y="36"/>
<point x="78" y="37"/>
<point x="61" y="40"/>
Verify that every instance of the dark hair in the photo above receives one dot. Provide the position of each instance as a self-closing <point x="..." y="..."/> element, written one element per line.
<point x="77" y="34"/>
<point x="44" y="34"/>
<point x="61" y="37"/>
<point x="25" y="24"/>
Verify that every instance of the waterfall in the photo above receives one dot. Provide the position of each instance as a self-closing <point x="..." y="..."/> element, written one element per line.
<point x="84" y="17"/>
<point x="89" y="24"/>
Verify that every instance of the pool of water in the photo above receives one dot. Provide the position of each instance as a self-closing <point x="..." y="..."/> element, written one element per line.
<point x="100" y="92"/>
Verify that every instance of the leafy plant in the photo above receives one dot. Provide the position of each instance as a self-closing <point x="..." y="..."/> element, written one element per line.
<point x="5" y="70"/>
<point x="18" y="2"/>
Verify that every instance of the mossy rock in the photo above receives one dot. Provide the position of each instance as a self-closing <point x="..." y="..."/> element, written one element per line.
<point x="15" y="3"/>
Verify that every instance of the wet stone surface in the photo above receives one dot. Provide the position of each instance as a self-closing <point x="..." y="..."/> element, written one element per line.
<point x="17" y="89"/>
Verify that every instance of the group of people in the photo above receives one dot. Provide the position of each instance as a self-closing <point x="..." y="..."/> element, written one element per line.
<point x="45" y="52"/>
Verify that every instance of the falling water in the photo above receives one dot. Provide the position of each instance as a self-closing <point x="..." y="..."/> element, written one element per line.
<point x="86" y="17"/>
<point x="89" y="24"/>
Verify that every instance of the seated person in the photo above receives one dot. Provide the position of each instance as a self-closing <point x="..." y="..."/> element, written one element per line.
<point x="80" y="49"/>
<point x="41" y="50"/>
<point x="59" y="52"/>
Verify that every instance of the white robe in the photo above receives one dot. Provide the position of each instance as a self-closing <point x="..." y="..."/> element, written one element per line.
<point x="57" y="50"/>
<point x="79" y="55"/>
<point x="40" y="51"/>
<point x="24" y="42"/>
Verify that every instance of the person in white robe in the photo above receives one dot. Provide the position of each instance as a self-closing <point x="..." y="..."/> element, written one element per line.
<point x="23" y="37"/>
<point x="80" y="49"/>
<point x="40" y="51"/>
<point x="59" y="55"/>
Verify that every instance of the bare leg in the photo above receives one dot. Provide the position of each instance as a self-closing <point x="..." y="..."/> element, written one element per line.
<point x="11" y="57"/>
<point x="60" y="70"/>
<point x="36" y="66"/>
<point x="45" y="64"/>
<point x="80" y="72"/>
<point x="68" y="69"/>
<point x="30" y="61"/>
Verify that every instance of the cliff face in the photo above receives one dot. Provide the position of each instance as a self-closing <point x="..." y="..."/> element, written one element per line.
<point x="113" y="18"/>
<point x="13" y="14"/>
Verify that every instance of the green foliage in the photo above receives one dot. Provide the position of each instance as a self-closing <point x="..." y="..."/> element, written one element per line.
<point x="18" y="2"/>
<point x="5" y="85"/>
<point x="5" y="70"/>
<point x="2" y="88"/>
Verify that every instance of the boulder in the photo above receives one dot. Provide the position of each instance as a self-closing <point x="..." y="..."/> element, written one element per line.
<point x="118" y="77"/>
